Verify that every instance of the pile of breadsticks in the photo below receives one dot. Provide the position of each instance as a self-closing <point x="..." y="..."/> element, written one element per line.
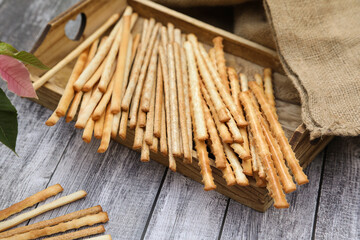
<point x="71" y="221"/>
<point x="167" y="87"/>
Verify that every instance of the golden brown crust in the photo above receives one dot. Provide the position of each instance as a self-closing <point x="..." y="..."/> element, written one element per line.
<point x="79" y="234"/>
<point x="220" y="61"/>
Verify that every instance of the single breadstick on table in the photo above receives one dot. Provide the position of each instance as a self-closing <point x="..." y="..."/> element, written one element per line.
<point x="100" y="55"/>
<point x="106" y="134"/>
<point x="101" y="107"/>
<point x="153" y="48"/>
<point x="212" y="56"/>
<point x="89" y="220"/>
<point x="268" y="87"/>
<point x="195" y="94"/>
<point x="120" y="68"/>
<point x="154" y="145"/>
<point x="69" y="90"/>
<point x="181" y="102"/>
<point x="170" y="28"/>
<point x="185" y="78"/>
<point x="259" y="80"/>
<point x="174" y="110"/>
<point x="262" y="149"/>
<point x="235" y="164"/>
<point x="208" y="81"/>
<point x="30" y="201"/>
<point x="140" y="65"/>
<point x="149" y="131"/>
<point x="51" y="222"/>
<point x="279" y="134"/>
<point x="163" y="141"/>
<point x="52" y="120"/>
<point x="216" y="146"/>
<point x="41" y="209"/>
<point x="165" y="74"/>
<point x="99" y="126"/>
<point x="102" y="237"/>
<point x="79" y="234"/>
<point x="88" y="110"/>
<point x="220" y="61"/>
<point x="225" y="95"/>
<point x="139" y="133"/>
<point x="76" y="52"/>
<point x="224" y="133"/>
<point x="158" y="102"/>
<point x="145" y="152"/>
<point x="228" y="175"/>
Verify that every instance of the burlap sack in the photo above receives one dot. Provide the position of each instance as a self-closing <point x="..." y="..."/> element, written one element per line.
<point x="319" y="46"/>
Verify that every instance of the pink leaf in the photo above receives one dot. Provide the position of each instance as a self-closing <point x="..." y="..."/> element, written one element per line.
<point x="17" y="76"/>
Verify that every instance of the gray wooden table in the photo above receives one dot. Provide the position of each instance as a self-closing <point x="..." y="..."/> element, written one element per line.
<point x="146" y="200"/>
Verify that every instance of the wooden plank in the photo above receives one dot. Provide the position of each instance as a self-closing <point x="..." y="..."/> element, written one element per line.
<point x="125" y="187"/>
<point x="185" y="211"/>
<point x="295" y="222"/>
<point x="339" y="206"/>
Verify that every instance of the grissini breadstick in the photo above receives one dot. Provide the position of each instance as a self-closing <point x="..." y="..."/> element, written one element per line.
<point x="30" y="201"/>
<point x="279" y="134"/>
<point x="220" y="61"/>
<point x="259" y="80"/>
<point x="139" y="134"/>
<point x="208" y="81"/>
<point x="79" y="234"/>
<point x="225" y="95"/>
<point x="177" y="36"/>
<point x="154" y="145"/>
<point x="195" y="94"/>
<point x="185" y="78"/>
<point x="69" y="90"/>
<point x="102" y="237"/>
<point x="165" y="74"/>
<point x="163" y="141"/>
<point x="115" y="125"/>
<point x="101" y="107"/>
<point x="41" y="209"/>
<point x="260" y="182"/>
<point x="228" y="175"/>
<point x="153" y="48"/>
<point x="213" y="58"/>
<point x="174" y="110"/>
<point x="158" y="102"/>
<point x="149" y="132"/>
<point x="221" y="127"/>
<point x="120" y="68"/>
<point x="254" y="156"/>
<point x="84" y="45"/>
<point x="170" y="28"/>
<point x="140" y="65"/>
<point x="268" y="87"/>
<point x="89" y="220"/>
<point x="88" y="131"/>
<point x="216" y="146"/>
<point x="145" y="29"/>
<point x="235" y="164"/>
<point x="123" y="124"/>
<point x="51" y="222"/>
<point x="262" y="149"/>
<point x="164" y="37"/>
<point x="99" y="126"/>
<point x="145" y="152"/>
<point x="52" y="120"/>
<point x="106" y="134"/>
<point x="100" y="55"/>
<point x="244" y="82"/>
<point x="135" y="45"/>
<point x="240" y="151"/>
<point x="181" y="100"/>
<point x="233" y="128"/>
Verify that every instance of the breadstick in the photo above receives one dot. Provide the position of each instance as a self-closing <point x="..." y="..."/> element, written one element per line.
<point x="76" y="52"/>
<point x="69" y="90"/>
<point x="170" y="28"/>
<point x="88" y="110"/>
<point x="208" y="81"/>
<point x="140" y="65"/>
<point x="259" y="80"/>
<point x="139" y="134"/>
<point x="149" y="132"/>
<point x="220" y="61"/>
<point x="101" y="107"/>
<point x="181" y="101"/>
<point x="30" y="201"/>
<point x="260" y="182"/>
<point x="165" y="74"/>
<point x="99" y="126"/>
<point x="213" y="58"/>
<point x="102" y="237"/>
<point x="145" y="152"/>
<point x="153" y="48"/>
<point x="88" y="130"/>
<point x="243" y="82"/>
<point x="85" y="100"/>
<point x="79" y="234"/>
<point x="254" y="156"/>
<point x="225" y="95"/>
<point x="51" y="222"/>
<point x="268" y="87"/>
<point x="120" y="68"/>
<point x="145" y="29"/>
<point x="216" y="146"/>
<point x="195" y="94"/>
<point x="221" y="127"/>
<point x="74" y="106"/>
<point x="89" y="220"/>
<point x="41" y="209"/>
<point x="100" y="55"/>
<point x="240" y="151"/>
<point x="233" y="128"/>
<point x="228" y="175"/>
<point x="106" y="134"/>
<point x="262" y="149"/>
<point x="158" y="102"/>
<point x="186" y="97"/>
<point x="235" y="164"/>
<point x="123" y="124"/>
<point x="279" y="134"/>
<point x="135" y="45"/>
<point x="177" y="36"/>
<point x="163" y="142"/>
<point x="154" y="145"/>
<point x="52" y="120"/>
<point x="164" y="37"/>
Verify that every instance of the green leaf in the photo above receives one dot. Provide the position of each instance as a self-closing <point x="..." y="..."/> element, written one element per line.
<point x="25" y="57"/>
<point x="8" y="122"/>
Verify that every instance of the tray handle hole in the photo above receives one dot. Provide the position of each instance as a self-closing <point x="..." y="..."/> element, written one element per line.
<point x="74" y="29"/>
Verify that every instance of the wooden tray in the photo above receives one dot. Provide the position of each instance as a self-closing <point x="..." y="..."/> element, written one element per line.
<point x="242" y="54"/>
